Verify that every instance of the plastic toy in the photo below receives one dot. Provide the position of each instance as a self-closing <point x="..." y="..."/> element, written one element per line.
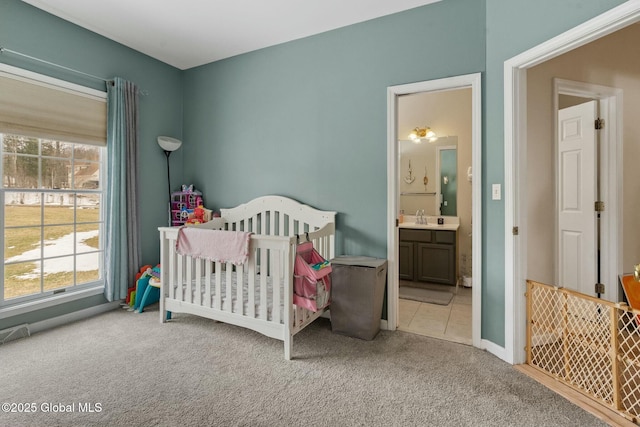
<point x="148" y="290"/>
<point x="185" y="213"/>
<point x="321" y="265"/>
<point x="197" y="217"/>
<point x="183" y="203"/>
<point x="131" y="292"/>
<point x="143" y="292"/>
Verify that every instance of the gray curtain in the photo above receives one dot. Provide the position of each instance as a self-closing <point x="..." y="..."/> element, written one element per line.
<point x="122" y="249"/>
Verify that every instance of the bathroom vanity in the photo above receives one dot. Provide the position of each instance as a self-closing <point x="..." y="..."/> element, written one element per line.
<point x="427" y="252"/>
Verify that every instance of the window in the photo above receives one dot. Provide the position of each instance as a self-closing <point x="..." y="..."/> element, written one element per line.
<point x="52" y="189"/>
<point x="52" y="216"/>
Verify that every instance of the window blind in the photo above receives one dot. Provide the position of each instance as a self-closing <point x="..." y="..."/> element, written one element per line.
<point x="48" y="108"/>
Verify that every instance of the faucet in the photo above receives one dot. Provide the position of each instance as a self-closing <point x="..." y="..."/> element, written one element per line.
<point x="420" y="217"/>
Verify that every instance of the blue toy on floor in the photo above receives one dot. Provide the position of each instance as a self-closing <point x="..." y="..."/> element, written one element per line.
<point x="148" y="290"/>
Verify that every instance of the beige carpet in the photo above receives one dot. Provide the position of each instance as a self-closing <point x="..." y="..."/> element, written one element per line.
<point x="425" y="295"/>
<point x="195" y="372"/>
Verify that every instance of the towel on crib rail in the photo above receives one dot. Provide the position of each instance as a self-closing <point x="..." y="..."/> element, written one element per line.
<point x="214" y="245"/>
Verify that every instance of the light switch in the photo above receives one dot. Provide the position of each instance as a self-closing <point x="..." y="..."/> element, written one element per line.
<point x="495" y="192"/>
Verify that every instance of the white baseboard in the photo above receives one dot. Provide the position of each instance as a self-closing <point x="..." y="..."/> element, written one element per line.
<point x="72" y="317"/>
<point x="495" y="349"/>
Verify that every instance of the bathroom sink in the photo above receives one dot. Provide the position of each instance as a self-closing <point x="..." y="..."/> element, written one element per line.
<point x="450" y="223"/>
<point x="433" y="220"/>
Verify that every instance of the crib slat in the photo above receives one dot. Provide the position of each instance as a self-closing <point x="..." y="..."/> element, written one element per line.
<point x="198" y="295"/>
<point x="228" y="296"/>
<point x="172" y="269"/>
<point x="252" y="287"/>
<point x="280" y="224"/>
<point x="240" y="289"/>
<point x="218" y="298"/>
<point x="207" y="281"/>
<point x="263" y="285"/>
<point x="275" y="277"/>
<point x="289" y="314"/>
<point x="263" y="223"/>
<point x="254" y="224"/>
<point x="272" y="223"/>
<point x="189" y="282"/>
<point x="179" y="279"/>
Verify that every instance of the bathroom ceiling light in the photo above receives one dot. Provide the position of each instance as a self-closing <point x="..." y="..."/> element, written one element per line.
<point x="420" y="134"/>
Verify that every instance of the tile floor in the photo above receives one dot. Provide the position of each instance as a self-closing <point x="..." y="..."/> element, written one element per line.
<point x="449" y="322"/>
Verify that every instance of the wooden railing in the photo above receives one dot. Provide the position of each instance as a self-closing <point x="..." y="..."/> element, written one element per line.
<point x="587" y="343"/>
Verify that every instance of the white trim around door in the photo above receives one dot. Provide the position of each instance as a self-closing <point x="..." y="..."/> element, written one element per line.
<point x="473" y="81"/>
<point x="515" y="127"/>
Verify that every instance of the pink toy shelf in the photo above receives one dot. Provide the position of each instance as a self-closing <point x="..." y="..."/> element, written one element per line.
<point x="183" y="203"/>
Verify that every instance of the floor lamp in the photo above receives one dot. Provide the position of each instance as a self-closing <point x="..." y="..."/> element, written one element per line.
<point x="169" y="145"/>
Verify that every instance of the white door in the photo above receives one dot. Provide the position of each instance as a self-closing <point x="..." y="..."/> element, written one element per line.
<point x="577" y="192"/>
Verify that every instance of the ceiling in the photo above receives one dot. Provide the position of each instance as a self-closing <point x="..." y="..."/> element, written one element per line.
<point x="189" y="33"/>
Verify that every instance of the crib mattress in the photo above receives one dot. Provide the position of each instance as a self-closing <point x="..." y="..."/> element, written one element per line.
<point x="233" y="299"/>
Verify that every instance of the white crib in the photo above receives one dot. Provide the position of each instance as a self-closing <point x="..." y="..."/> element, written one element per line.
<point x="259" y="294"/>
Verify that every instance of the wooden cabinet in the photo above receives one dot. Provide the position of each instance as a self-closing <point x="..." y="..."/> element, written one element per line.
<point x="406" y="257"/>
<point x="428" y="255"/>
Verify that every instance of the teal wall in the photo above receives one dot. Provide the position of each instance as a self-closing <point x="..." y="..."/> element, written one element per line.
<point x="513" y="26"/>
<point x="308" y="119"/>
<point x="28" y="30"/>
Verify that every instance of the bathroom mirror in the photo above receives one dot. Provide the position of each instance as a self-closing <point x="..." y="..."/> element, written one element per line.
<point x="423" y="169"/>
<point x="447" y="170"/>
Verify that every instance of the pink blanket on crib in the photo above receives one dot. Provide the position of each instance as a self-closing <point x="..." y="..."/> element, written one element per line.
<point x="214" y="245"/>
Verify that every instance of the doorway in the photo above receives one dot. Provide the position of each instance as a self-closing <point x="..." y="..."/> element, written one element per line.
<point x="473" y="173"/>
<point x="600" y="272"/>
<point x="434" y="257"/>
<point x="594" y="34"/>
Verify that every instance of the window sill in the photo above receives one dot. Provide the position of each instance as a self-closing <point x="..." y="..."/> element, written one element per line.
<point x="54" y="300"/>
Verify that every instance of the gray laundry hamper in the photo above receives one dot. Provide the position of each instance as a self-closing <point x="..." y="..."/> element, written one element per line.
<point x="357" y="294"/>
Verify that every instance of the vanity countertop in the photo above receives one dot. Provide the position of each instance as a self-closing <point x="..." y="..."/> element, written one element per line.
<point x="447" y="227"/>
<point x="451" y="223"/>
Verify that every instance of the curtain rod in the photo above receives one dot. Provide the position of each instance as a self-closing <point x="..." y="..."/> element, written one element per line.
<point x="4" y="49"/>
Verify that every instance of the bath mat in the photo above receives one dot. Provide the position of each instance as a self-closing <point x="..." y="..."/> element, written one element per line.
<point x="425" y="295"/>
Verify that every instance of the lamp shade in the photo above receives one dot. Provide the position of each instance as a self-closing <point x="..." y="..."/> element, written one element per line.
<point x="169" y="144"/>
